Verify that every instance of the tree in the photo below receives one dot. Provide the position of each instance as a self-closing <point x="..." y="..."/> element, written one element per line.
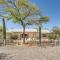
<point x="3" y="30"/>
<point x="42" y="20"/>
<point x="52" y="36"/>
<point x="55" y="34"/>
<point x="19" y="11"/>
<point x="2" y="2"/>
<point x="56" y="31"/>
<point x="39" y="23"/>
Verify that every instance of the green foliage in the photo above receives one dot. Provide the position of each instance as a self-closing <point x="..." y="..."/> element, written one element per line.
<point x="40" y="21"/>
<point x="22" y="3"/>
<point x="1" y="27"/>
<point x="44" y="19"/>
<point x="55" y="34"/>
<point x="20" y="10"/>
<point x="2" y="1"/>
<point x="13" y="36"/>
<point x="52" y="36"/>
<point x="56" y="31"/>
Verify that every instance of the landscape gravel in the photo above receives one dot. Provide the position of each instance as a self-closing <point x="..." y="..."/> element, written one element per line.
<point x="30" y="53"/>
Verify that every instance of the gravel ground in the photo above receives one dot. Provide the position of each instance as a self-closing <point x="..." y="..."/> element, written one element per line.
<point x="30" y="53"/>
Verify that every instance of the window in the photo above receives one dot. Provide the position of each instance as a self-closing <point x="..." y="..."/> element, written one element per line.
<point x="44" y="35"/>
<point x="26" y="35"/>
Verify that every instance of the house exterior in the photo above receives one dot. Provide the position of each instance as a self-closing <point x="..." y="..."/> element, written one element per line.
<point x="31" y="34"/>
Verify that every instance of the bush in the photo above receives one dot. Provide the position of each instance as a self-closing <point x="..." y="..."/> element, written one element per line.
<point x="52" y="36"/>
<point x="13" y="36"/>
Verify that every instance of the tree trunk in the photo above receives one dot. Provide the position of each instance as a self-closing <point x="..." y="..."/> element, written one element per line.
<point x="23" y="34"/>
<point x="23" y="25"/>
<point x="4" y="32"/>
<point x="40" y="36"/>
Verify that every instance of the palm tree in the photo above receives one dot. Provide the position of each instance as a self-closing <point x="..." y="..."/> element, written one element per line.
<point x="19" y="11"/>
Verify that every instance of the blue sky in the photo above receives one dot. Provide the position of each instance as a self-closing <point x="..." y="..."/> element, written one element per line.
<point x="50" y="8"/>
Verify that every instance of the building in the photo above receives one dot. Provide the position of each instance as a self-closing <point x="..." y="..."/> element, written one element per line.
<point x="29" y="33"/>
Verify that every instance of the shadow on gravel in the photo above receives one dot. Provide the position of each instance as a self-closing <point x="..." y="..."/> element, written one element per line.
<point x="4" y="56"/>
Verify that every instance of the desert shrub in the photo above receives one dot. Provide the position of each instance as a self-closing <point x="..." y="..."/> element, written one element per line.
<point x="52" y="36"/>
<point x="13" y="36"/>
